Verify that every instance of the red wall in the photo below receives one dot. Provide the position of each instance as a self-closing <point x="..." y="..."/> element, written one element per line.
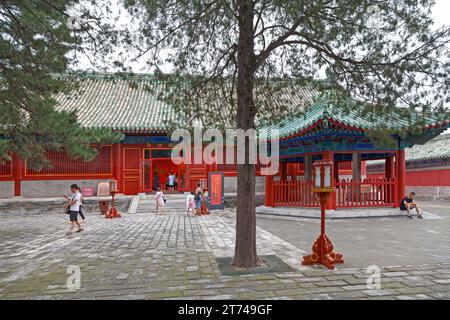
<point x="428" y="178"/>
<point x="423" y="178"/>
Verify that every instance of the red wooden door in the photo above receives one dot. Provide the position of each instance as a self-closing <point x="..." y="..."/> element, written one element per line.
<point x="131" y="170"/>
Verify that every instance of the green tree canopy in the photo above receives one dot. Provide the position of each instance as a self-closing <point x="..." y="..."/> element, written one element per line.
<point x="34" y="45"/>
<point x="381" y="52"/>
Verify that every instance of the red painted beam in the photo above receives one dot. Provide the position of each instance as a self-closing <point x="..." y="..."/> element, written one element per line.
<point x="118" y="169"/>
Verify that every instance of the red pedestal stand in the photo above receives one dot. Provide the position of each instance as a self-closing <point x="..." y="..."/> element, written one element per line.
<point x="203" y="208"/>
<point x="322" y="249"/>
<point x="113" y="213"/>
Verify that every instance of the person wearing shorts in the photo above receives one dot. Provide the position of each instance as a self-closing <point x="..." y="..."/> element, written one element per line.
<point x="81" y="204"/>
<point x="198" y="199"/>
<point x="408" y="203"/>
<point x="74" y="208"/>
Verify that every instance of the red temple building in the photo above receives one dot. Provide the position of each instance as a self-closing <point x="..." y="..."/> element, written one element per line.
<point x="131" y="106"/>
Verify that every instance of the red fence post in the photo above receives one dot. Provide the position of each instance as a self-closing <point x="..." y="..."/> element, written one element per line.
<point x="18" y="175"/>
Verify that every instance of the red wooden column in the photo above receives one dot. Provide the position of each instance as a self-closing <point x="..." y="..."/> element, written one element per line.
<point x="308" y="167"/>
<point x="269" y="191"/>
<point x="389" y="173"/>
<point x="389" y="169"/>
<point x="118" y="165"/>
<point x="336" y="171"/>
<point x="401" y="176"/>
<point x="292" y="170"/>
<point x="331" y="204"/>
<point x="18" y="175"/>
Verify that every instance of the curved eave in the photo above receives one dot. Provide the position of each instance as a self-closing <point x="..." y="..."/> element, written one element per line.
<point x="306" y="130"/>
<point x="437" y="128"/>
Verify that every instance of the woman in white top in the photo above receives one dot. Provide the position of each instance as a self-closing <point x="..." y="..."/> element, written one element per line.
<point x="73" y="209"/>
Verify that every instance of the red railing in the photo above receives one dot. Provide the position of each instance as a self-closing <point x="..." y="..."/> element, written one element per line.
<point x="293" y="193"/>
<point x="345" y="165"/>
<point x="349" y="193"/>
<point x="5" y="168"/>
<point x="63" y="165"/>
<point x="365" y="193"/>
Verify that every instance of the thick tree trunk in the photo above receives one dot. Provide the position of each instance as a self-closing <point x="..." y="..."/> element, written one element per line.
<point x="245" y="251"/>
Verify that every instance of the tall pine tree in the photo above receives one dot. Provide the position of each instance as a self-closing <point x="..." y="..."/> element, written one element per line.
<point x="34" y="43"/>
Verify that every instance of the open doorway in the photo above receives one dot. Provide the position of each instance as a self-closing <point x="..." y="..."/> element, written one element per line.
<point x="166" y="175"/>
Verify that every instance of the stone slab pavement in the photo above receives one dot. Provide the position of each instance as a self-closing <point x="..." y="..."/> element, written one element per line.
<point x="375" y="241"/>
<point x="172" y="256"/>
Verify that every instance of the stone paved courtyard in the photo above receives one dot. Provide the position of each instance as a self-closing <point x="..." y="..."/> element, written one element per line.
<point x="143" y="256"/>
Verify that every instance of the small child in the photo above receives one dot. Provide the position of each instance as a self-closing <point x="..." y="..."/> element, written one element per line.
<point x="160" y="201"/>
<point x="191" y="204"/>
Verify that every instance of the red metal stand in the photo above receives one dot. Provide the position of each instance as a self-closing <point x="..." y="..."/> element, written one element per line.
<point x="204" y="209"/>
<point x="322" y="249"/>
<point x="113" y="213"/>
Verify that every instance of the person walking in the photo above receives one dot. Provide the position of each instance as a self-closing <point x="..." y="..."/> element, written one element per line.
<point x="81" y="204"/>
<point x="190" y="204"/>
<point x="73" y="208"/>
<point x="160" y="201"/>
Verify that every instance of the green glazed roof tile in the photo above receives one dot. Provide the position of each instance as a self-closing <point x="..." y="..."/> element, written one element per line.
<point x="438" y="147"/>
<point x="350" y="117"/>
<point x="128" y="104"/>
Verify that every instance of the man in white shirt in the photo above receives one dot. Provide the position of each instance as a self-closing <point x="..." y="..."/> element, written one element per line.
<point x="73" y="205"/>
<point x="171" y="181"/>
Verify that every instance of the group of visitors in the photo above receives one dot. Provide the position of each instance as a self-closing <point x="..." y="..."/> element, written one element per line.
<point x="171" y="182"/>
<point x="194" y="203"/>
<point x="73" y="208"/>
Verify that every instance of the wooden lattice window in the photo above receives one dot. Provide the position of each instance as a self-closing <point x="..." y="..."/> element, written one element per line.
<point x="63" y="165"/>
<point x="345" y="165"/>
<point x="5" y="168"/>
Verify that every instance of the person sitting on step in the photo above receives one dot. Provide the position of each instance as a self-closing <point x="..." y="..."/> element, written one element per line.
<point x="409" y="203"/>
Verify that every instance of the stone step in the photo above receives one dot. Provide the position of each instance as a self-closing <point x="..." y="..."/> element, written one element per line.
<point x="149" y="211"/>
<point x="168" y="203"/>
<point x="168" y="199"/>
<point x="175" y="203"/>
<point x="175" y="208"/>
